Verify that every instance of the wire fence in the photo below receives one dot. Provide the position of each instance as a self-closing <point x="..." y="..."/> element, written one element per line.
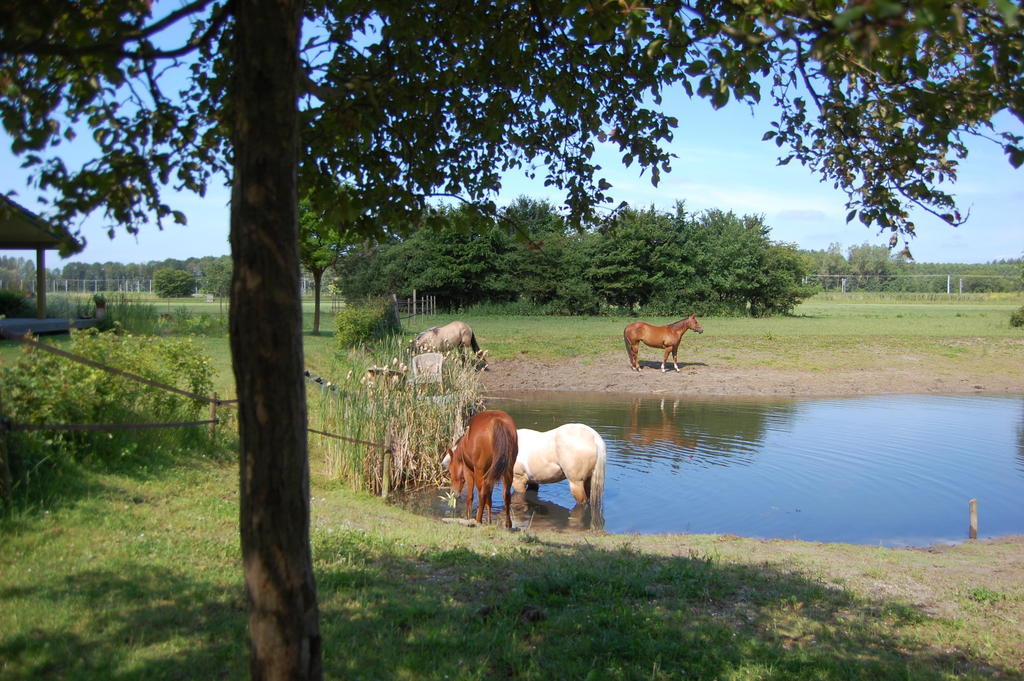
<point x="918" y="283"/>
<point x="110" y="284"/>
<point x="6" y="425"/>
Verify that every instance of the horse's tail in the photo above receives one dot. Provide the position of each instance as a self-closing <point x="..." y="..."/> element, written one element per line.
<point x="505" y="448"/>
<point x="629" y="347"/>
<point x="597" y="478"/>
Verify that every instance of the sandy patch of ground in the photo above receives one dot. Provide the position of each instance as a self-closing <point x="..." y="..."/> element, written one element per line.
<point x="612" y="374"/>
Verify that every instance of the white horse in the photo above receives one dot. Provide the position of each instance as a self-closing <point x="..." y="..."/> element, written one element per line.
<point x="572" y="452"/>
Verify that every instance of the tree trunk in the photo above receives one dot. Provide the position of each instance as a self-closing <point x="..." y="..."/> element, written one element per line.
<point x="266" y="345"/>
<point x="318" y="276"/>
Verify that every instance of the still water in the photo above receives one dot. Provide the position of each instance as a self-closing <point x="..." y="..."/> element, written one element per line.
<point x="886" y="470"/>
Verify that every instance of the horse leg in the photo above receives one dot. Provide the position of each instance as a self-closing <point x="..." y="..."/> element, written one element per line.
<point x="485" y="501"/>
<point x="634" y="360"/>
<point x="469" y="483"/>
<point x="664" y="359"/>
<point x="579" y="492"/>
<point x="675" y="360"/>
<point x="506" y="496"/>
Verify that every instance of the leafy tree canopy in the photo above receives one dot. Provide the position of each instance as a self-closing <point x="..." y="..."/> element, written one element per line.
<point x="407" y="102"/>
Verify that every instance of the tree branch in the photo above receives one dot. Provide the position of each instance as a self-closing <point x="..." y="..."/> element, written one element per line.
<point x="117" y="48"/>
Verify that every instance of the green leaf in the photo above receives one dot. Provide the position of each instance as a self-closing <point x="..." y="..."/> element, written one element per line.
<point x="844" y="19"/>
<point x="696" y="68"/>
<point x="1010" y="11"/>
<point x="1015" y="154"/>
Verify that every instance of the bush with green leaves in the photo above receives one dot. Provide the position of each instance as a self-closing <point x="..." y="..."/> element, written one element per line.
<point x="14" y="304"/>
<point x="168" y="283"/>
<point x="1017" y="318"/>
<point x="42" y="388"/>
<point x="358" y="323"/>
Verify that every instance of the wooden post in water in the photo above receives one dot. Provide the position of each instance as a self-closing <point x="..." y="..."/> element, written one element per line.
<point x="973" y="533"/>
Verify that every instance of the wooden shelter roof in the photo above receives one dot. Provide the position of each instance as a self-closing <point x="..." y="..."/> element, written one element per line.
<point x="20" y="228"/>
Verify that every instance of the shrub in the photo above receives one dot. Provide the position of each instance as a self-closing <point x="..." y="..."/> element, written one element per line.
<point x="14" y="304"/>
<point x="168" y="283"/>
<point x="359" y="323"/>
<point x="1017" y="318"/>
<point x="184" y="322"/>
<point x="45" y="389"/>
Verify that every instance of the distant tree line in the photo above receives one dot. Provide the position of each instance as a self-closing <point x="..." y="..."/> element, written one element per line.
<point x="530" y="260"/>
<point x="208" y="274"/>
<point x="645" y="261"/>
<point x="875" y="268"/>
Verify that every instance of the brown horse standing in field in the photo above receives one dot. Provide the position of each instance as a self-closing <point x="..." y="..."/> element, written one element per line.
<point x="664" y="337"/>
<point x="485" y="452"/>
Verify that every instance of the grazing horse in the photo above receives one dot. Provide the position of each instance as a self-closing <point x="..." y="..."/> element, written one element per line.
<point x="572" y="452"/>
<point x="452" y="336"/>
<point x="485" y="452"/>
<point x="665" y="337"/>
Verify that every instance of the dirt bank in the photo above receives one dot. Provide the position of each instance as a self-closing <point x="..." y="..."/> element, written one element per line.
<point x="612" y="374"/>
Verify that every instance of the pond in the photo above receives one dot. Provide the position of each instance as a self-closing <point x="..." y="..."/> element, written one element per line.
<point x="886" y="470"/>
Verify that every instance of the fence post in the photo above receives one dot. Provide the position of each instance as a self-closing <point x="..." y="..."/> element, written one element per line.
<point x="394" y="309"/>
<point x="414" y="303"/>
<point x="972" y="533"/>
<point x="385" y="485"/>
<point x="213" y="415"/>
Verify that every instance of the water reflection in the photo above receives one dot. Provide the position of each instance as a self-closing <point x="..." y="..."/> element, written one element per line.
<point x="532" y="512"/>
<point x="1020" y="439"/>
<point x="699" y="432"/>
<point x="892" y="470"/>
<point x="528" y="511"/>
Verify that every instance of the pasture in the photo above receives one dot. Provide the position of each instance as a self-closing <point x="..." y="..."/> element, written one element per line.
<point x="138" y="577"/>
<point x="909" y="343"/>
<point x="135" y="572"/>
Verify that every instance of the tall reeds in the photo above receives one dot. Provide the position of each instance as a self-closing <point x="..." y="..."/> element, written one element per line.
<point x="397" y="430"/>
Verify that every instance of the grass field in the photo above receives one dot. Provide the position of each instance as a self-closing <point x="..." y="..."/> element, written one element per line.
<point x="139" y="577"/>
<point x="833" y="332"/>
<point x="136" y="574"/>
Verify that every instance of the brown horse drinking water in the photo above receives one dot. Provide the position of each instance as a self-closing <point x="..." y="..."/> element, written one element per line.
<point x="486" y="452"/>
<point x="665" y="337"/>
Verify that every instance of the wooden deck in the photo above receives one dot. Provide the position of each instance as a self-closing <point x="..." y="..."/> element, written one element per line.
<point x="22" y="325"/>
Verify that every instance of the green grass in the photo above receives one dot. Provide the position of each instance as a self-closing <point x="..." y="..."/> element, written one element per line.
<point x="820" y="336"/>
<point x="141" y="579"/>
<point x="134" y="572"/>
<point x="825" y="333"/>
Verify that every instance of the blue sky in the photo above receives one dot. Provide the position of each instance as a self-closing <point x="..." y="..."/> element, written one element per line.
<point x="721" y="163"/>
